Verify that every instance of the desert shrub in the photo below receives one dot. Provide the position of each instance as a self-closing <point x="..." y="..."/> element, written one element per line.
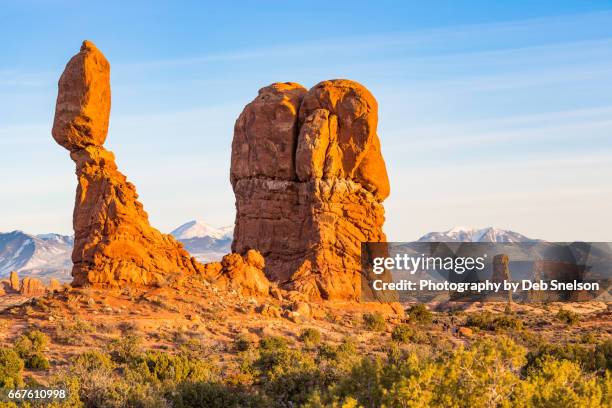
<point x="33" y="341"/>
<point x="242" y="343"/>
<point x="30" y="347"/>
<point x="560" y="384"/>
<point x="590" y="358"/>
<point x="156" y="366"/>
<point x="404" y="333"/>
<point x="374" y="321"/>
<point x="94" y="360"/>
<point x="273" y="343"/>
<point x="568" y="317"/>
<point x="37" y="361"/>
<point x="287" y="376"/>
<point x="311" y="337"/>
<point x="126" y="348"/>
<point x="420" y="314"/>
<point x="72" y="333"/>
<point x="11" y="368"/>
<point x="214" y="395"/>
<point x="493" y="322"/>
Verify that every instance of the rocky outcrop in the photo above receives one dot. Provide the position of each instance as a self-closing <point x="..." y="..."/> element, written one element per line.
<point x="309" y="181"/>
<point x="501" y="273"/>
<point x="243" y="273"/>
<point x="32" y="287"/>
<point x="501" y="269"/>
<point x="14" y="281"/>
<point x="114" y="243"/>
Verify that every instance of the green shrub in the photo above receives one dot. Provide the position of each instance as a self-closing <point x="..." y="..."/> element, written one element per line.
<point x="126" y="348"/>
<point x="420" y="314"/>
<point x="311" y="337"/>
<point x="154" y="366"/>
<point x="72" y="333"/>
<point x="403" y="333"/>
<point x="11" y="368"/>
<point x="37" y="361"/>
<point x="94" y="360"/>
<point x="242" y="343"/>
<point x="273" y="343"/>
<point x="590" y="358"/>
<point x="568" y="317"/>
<point x="374" y="321"/>
<point x="494" y="322"/>
<point x="30" y="347"/>
<point x="214" y="395"/>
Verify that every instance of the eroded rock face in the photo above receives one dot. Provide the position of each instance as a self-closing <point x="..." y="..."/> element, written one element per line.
<point x="114" y="242"/>
<point x="309" y="181"/>
<point x="243" y="273"/>
<point x="32" y="287"/>
<point x="14" y="281"/>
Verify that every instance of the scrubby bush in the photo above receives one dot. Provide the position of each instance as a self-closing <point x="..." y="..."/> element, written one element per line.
<point x="37" y="361"/>
<point x="72" y="333"/>
<point x="568" y="317"/>
<point x="404" y="333"/>
<point x="311" y="337"/>
<point x="214" y="395"/>
<point x="590" y="358"/>
<point x="30" y="346"/>
<point x="374" y="321"/>
<point x="11" y="368"/>
<point x="158" y="366"/>
<point x="126" y="348"/>
<point x="420" y="314"/>
<point x="494" y="322"/>
<point x="242" y="342"/>
<point x="93" y="360"/>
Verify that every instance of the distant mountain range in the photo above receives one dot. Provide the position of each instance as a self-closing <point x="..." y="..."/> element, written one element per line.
<point x="43" y="256"/>
<point x="49" y="255"/>
<point x="466" y="234"/>
<point x="204" y="242"/>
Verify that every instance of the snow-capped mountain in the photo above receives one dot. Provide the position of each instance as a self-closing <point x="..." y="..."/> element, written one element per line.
<point x="466" y="234"/>
<point x="199" y="229"/>
<point x="203" y="241"/>
<point x="44" y="256"/>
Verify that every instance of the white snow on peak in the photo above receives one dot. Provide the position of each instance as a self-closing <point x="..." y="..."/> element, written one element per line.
<point x="199" y="229"/>
<point x="467" y="234"/>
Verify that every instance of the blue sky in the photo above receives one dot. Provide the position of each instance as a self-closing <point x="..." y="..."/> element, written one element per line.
<point x="490" y="114"/>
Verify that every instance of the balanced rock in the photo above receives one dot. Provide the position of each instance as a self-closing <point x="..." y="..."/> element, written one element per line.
<point x="114" y="242"/>
<point x="32" y="287"/>
<point x="309" y="181"/>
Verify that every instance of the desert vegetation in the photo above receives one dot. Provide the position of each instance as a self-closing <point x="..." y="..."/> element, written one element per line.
<point x="378" y="363"/>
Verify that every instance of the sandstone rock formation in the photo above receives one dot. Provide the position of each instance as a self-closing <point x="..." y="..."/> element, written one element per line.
<point x="32" y="287"/>
<point x="14" y="280"/>
<point x="501" y="273"/>
<point x="245" y="274"/>
<point x="114" y="243"/>
<point x="309" y="181"/>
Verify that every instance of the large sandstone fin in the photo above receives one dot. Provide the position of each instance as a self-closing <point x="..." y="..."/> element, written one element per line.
<point x="309" y="224"/>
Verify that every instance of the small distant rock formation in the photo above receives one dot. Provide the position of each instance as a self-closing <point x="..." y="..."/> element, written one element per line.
<point x="309" y="180"/>
<point x="114" y="243"/>
<point x="14" y="281"/>
<point x="32" y="287"/>
<point x="501" y="273"/>
<point x="245" y="274"/>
